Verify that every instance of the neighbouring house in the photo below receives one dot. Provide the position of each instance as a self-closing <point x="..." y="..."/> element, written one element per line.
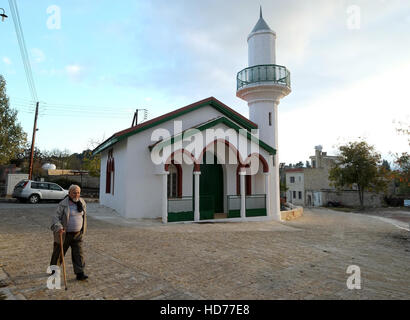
<point x="8" y="175"/>
<point x="311" y="186"/>
<point x="204" y="161"/>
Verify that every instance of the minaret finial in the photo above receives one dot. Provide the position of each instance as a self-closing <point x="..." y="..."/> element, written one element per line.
<point x="261" y="11"/>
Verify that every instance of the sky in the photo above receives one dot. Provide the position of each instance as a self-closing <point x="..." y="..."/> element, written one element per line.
<point x="349" y="62"/>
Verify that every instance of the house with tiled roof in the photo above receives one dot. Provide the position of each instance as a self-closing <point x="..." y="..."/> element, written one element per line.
<point x="204" y="161"/>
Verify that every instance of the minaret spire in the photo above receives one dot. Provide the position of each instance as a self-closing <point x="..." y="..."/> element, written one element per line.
<point x="260" y="11"/>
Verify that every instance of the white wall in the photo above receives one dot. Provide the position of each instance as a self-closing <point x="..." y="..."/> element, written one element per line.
<point x="118" y="200"/>
<point x="12" y="180"/>
<point x="261" y="48"/>
<point x="297" y="186"/>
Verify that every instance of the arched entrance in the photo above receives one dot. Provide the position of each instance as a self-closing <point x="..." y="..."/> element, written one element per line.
<point x="211" y="187"/>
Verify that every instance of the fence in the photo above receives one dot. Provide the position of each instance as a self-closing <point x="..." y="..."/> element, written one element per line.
<point x="180" y="209"/>
<point x="263" y="73"/>
<point x="255" y="205"/>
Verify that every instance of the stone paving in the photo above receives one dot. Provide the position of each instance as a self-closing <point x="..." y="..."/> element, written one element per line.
<point x="143" y="259"/>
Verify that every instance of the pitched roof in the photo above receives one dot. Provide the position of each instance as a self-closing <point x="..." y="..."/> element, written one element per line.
<point x="209" y="124"/>
<point x="211" y="101"/>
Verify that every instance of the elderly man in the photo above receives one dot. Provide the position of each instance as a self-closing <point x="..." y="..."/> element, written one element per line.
<point x="70" y="221"/>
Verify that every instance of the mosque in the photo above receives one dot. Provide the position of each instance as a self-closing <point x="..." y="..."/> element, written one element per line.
<point x="205" y="161"/>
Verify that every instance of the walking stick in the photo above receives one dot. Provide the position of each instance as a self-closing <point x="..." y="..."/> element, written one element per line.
<point x="62" y="259"/>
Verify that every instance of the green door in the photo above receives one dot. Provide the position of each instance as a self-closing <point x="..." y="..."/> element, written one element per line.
<point x="211" y="189"/>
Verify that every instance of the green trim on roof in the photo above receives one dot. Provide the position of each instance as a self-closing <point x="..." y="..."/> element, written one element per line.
<point x="114" y="139"/>
<point x="191" y="131"/>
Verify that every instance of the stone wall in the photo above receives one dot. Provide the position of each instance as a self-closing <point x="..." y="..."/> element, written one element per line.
<point x="351" y="198"/>
<point x="291" y="214"/>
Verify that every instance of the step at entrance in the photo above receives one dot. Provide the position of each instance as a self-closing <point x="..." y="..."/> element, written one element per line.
<point x="220" y="215"/>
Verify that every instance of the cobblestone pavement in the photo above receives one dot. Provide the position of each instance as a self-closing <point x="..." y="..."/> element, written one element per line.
<point x="143" y="259"/>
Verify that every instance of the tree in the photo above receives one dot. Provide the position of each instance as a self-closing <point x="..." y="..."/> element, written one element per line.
<point x="92" y="163"/>
<point x="12" y="137"/>
<point x="386" y="165"/>
<point x="60" y="158"/>
<point x="22" y="159"/>
<point x="299" y="164"/>
<point x="402" y="173"/>
<point x="358" y="163"/>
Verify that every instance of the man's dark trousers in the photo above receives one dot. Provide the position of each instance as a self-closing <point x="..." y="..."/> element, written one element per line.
<point x="75" y="241"/>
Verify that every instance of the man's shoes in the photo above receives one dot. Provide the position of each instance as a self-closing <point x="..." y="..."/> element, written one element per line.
<point x="81" y="276"/>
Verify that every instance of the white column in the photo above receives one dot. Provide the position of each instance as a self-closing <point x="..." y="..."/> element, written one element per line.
<point x="196" y="202"/>
<point x="275" y="189"/>
<point x="243" y="199"/>
<point x="267" y="192"/>
<point x="165" y="197"/>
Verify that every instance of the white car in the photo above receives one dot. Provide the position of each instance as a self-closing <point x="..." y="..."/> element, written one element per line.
<point x="34" y="191"/>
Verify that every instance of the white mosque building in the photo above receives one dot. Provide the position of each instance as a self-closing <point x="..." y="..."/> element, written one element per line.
<point x="205" y="161"/>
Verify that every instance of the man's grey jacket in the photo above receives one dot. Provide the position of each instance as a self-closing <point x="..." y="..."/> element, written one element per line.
<point x="60" y="220"/>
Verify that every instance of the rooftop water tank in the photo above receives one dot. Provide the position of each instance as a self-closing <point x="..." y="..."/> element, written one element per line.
<point x="49" y="166"/>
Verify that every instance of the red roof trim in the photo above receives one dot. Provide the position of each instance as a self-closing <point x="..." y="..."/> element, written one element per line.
<point x="166" y="115"/>
<point x="148" y="123"/>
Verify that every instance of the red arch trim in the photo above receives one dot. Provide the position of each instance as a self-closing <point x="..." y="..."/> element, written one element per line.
<point x="261" y="158"/>
<point x="171" y="157"/>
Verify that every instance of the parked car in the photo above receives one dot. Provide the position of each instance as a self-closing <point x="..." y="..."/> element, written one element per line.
<point x="34" y="191"/>
<point x="334" y="204"/>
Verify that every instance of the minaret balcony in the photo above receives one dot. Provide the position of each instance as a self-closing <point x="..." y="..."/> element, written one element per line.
<point x="267" y="74"/>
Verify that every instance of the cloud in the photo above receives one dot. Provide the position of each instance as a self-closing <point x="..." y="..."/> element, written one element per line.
<point x="75" y="72"/>
<point x="7" y="60"/>
<point x="38" y="55"/>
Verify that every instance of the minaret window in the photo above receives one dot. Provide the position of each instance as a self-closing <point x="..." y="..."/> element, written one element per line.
<point x="270" y="118"/>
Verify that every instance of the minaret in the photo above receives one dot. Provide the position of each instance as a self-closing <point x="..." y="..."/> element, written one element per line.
<point x="262" y="85"/>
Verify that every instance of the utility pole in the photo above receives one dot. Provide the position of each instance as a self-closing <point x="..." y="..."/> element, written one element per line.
<point x="30" y="173"/>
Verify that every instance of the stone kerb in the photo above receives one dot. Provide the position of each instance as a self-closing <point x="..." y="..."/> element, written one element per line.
<point x="291" y="214"/>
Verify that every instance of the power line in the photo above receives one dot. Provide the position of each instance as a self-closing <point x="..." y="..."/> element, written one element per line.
<point x="29" y="74"/>
<point x="23" y="49"/>
<point x="84" y="116"/>
<point x="110" y="108"/>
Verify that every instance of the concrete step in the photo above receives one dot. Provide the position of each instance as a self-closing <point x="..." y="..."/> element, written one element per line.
<point x="220" y="215"/>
